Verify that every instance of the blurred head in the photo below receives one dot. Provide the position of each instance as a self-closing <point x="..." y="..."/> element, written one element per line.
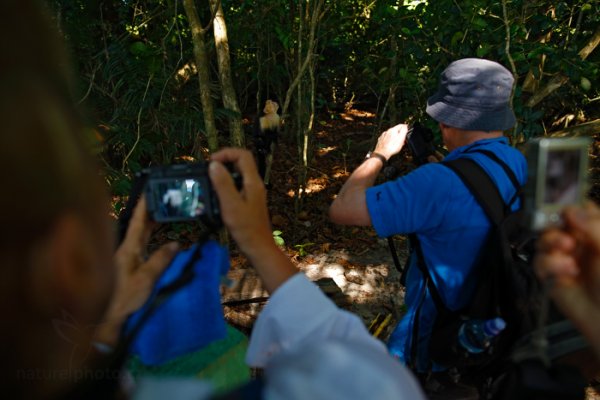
<point x="271" y="107"/>
<point x="56" y="239"/>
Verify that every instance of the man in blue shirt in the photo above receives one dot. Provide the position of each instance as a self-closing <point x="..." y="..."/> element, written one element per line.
<point x="472" y="107"/>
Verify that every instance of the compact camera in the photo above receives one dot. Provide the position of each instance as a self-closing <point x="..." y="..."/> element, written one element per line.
<point x="420" y="143"/>
<point x="557" y="178"/>
<point x="183" y="192"/>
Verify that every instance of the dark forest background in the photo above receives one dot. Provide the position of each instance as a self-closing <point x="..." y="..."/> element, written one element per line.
<point x="161" y="80"/>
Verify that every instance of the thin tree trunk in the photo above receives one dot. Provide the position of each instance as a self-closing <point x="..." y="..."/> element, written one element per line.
<point x="316" y="17"/>
<point x="236" y="130"/>
<point x="394" y="118"/>
<point x="202" y="65"/>
<point x="300" y="110"/>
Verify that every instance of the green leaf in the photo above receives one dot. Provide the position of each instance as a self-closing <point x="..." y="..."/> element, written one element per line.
<point x="482" y="51"/>
<point x="456" y="38"/>
<point x="277" y="233"/>
<point x="138" y="48"/>
<point x="480" y="23"/>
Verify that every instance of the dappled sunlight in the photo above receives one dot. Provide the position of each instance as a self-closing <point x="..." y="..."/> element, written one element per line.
<point x="341" y="174"/>
<point x="326" y="150"/>
<point x="313" y="185"/>
<point x="360" y="113"/>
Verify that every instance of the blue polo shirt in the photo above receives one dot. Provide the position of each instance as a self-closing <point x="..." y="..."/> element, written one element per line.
<point x="433" y="202"/>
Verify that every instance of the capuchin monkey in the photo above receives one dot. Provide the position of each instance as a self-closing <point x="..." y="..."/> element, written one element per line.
<point x="266" y="131"/>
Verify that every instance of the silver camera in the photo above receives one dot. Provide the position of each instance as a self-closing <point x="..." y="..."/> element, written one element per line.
<point x="558" y="170"/>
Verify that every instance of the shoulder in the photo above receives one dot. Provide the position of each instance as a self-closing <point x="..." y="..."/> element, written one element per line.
<point x="431" y="173"/>
<point x="512" y="157"/>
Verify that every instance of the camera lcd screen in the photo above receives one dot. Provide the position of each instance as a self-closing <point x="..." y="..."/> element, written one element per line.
<point x="562" y="177"/>
<point x="178" y="198"/>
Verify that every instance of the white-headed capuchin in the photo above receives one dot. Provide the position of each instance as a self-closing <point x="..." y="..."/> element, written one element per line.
<point x="266" y="131"/>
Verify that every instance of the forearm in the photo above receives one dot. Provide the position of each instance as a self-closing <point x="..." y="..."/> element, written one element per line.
<point x="350" y="205"/>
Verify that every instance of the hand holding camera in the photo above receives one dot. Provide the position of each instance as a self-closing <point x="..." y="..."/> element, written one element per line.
<point x="135" y="274"/>
<point x="392" y="141"/>
<point x="244" y="212"/>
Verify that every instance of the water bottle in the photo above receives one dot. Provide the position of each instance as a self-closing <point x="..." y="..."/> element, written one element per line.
<point x="475" y="335"/>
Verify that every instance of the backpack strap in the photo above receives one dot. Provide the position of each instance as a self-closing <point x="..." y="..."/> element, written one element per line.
<point x="488" y="197"/>
<point x="507" y="170"/>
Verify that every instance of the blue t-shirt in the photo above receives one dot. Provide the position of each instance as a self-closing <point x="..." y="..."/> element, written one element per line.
<point x="434" y="203"/>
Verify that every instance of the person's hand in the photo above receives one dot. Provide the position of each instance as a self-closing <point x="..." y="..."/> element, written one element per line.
<point x="569" y="259"/>
<point x="244" y="212"/>
<point x="135" y="274"/>
<point x="391" y="141"/>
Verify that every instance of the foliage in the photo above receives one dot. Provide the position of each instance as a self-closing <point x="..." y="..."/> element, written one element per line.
<point x="302" y="248"/>
<point x="278" y="239"/>
<point x="136" y="72"/>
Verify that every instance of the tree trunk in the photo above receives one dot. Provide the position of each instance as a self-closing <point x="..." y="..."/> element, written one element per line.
<point x="202" y="65"/>
<point x="236" y="130"/>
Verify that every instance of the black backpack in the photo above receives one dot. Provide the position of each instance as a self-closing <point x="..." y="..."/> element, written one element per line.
<point x="506" y="287"/>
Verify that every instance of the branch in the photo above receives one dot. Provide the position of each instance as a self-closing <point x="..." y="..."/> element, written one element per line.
<point x="90" y="86"/>
<point x="139" y="117"/>
<point x="213" y="14"/>
<point x="588" y="129"/>
<point x="590" y="46"/>
<point x="507" y="50"/>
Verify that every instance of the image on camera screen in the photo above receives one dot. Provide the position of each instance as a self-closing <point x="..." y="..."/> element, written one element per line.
<point x="562" y="172"/>
<point x="179" y="198"/>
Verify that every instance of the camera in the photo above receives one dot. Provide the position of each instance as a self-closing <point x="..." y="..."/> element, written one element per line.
<point x="183" y="192"/>
<point x="557" y="178"/>
<point x="420" y="143"/>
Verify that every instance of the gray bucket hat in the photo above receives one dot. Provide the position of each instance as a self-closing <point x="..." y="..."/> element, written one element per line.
<point x="474" y="94"/>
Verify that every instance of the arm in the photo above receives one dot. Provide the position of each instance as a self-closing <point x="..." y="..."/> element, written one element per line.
<point x="350" y="205"/>
<point x="569" y="259"/>
<point x="246" y="217"/>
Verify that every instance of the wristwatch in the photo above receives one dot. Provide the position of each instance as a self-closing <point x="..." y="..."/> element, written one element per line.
<point x="381" y="157"/>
